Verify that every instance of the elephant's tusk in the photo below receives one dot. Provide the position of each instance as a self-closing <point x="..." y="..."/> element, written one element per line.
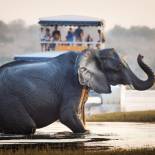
<point x="83" y="99"/>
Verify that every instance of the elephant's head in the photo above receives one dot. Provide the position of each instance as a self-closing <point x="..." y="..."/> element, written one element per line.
<point x="101" y="69"/>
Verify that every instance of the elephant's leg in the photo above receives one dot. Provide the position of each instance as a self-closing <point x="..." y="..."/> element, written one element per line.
<point x="69" y="118"/>
<point x="26" y="127"/>
<point x="14" y="117"/>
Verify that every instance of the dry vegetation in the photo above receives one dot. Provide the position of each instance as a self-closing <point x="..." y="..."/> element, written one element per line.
<point x="137" y="116"/>
<point x="143" y="151"/>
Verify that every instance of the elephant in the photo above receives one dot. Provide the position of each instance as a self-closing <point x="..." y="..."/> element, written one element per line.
<point x="34" y="94"/>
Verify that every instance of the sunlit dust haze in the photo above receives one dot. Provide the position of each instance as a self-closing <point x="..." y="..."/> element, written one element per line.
<point x="121" y="12"/>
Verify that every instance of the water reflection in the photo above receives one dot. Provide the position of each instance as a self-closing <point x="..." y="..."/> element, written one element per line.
<point x="102" y="135"/>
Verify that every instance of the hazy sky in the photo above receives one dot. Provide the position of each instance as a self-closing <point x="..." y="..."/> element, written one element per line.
<point x="122" y="12"/>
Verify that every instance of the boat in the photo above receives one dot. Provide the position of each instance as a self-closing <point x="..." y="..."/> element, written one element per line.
<point x="65" y="22"/>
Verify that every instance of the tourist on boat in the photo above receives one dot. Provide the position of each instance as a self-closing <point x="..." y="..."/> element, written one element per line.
<point x="47" y="39"/>
<point x="42" y="39"/>
<point x="70" y="35"/>
<point x="79" y="34"/>
<point x="56" y="37"/>
<point x="101" y="37"/>
<point x="89" y="39"/>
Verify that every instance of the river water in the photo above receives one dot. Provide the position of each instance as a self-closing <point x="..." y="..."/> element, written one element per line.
<point x="102" y="134"/>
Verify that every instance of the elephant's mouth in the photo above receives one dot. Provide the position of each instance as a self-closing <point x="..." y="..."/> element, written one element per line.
<point x="124" y="79"/>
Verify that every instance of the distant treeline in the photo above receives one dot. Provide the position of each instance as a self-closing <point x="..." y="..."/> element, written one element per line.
<point x="16" y="37"/>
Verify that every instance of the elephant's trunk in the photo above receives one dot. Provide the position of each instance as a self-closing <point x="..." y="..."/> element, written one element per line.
<point x="140" y="84"/>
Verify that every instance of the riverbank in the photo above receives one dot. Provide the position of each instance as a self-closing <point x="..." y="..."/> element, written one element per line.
<point x="37" y="151"/>
<point x="137" y="116"/>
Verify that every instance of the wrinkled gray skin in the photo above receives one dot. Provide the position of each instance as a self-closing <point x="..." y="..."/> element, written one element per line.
<point x="36" y="94"/>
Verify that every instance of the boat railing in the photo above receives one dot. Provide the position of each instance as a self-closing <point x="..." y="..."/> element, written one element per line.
<point x="71" y="43"/>
<point x="75" y="45"/>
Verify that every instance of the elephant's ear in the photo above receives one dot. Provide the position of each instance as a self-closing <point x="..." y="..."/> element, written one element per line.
<point x="95" y="80"/>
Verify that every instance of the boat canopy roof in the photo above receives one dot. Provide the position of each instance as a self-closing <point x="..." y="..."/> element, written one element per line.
<point x="71" y="20"/>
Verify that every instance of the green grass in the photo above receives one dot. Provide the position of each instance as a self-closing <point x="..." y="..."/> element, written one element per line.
<point x="143" y="151"/>
<point x="138" y="116"/>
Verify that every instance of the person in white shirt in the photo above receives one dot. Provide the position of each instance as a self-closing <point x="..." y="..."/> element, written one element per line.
<point x="101" y="36"/>
<point x="101" y="39"/>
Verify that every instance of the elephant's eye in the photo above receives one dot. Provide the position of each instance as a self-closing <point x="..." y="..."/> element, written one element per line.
<point x="82" y="69"/>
